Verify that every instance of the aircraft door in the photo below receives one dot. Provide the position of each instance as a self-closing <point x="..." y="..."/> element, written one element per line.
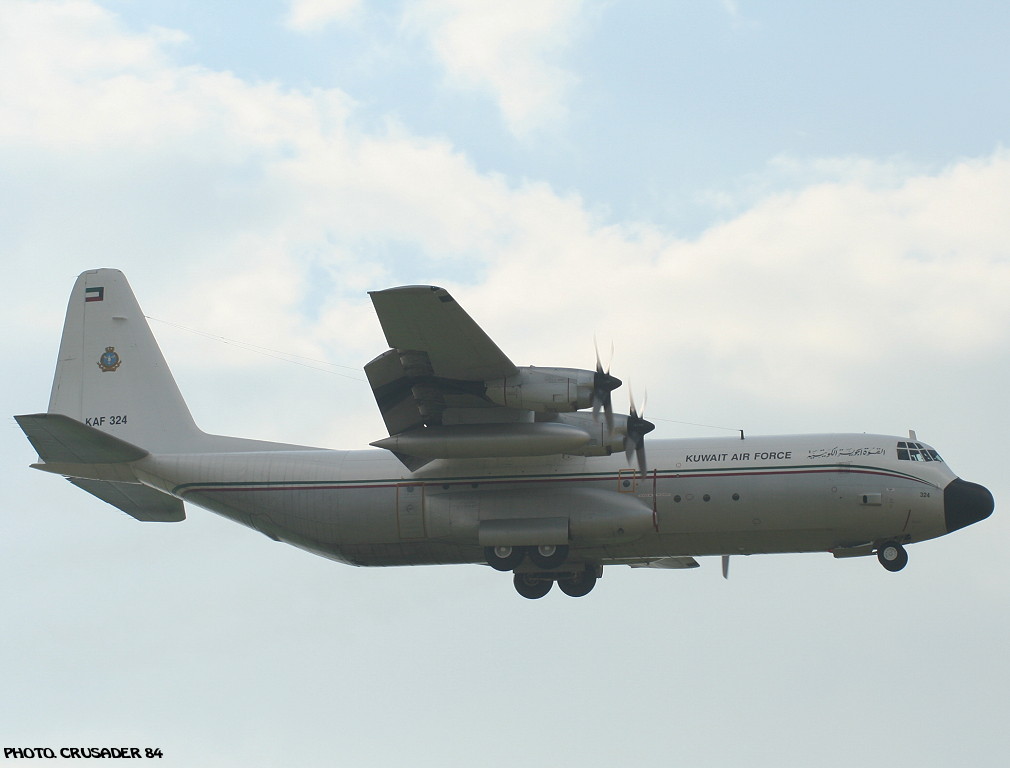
<point x="410" y="511"/>
<point x="868" y="507"/>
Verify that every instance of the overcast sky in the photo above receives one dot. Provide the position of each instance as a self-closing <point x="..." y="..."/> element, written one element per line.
<point x="788" y="217"/>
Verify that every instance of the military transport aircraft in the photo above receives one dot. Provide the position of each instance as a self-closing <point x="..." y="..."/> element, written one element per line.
<point x="524" y="469"/>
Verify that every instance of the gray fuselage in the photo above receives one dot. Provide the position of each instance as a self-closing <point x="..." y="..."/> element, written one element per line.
<point x="724" y="496"/>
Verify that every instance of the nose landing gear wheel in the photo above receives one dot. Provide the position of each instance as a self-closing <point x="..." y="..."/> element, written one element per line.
<point x="548" y="555"/>
<point x="892" y="556"/>
<point x="531" y="586"/>
<point x="504" y="558"/>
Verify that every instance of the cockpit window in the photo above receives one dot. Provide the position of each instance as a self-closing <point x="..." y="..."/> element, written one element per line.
<point x="908" y="451"/>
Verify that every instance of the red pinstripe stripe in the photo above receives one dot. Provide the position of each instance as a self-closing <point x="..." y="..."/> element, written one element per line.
<point x="665" y="475"/>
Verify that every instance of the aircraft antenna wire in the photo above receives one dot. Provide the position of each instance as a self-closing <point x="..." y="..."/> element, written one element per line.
<point x="276" y="354"/>
<point x="706" y="426"/>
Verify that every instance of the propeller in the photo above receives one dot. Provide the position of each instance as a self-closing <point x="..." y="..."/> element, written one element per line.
<point x="603" y="385"/>
<point x="637" y="429"/>
<point x="725" y="566"/>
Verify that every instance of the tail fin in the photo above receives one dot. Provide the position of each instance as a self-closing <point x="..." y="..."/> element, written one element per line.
<point x="111" y="375"/>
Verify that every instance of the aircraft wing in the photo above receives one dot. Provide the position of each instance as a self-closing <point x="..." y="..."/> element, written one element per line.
<point x="446" y="391"/>
<point x="435" y="371"/>
<point x="426" y="319"/>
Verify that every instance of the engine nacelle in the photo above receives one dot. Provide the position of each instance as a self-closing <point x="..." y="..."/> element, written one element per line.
<point x="602" y="442"/>
<point x="544" y="390"/>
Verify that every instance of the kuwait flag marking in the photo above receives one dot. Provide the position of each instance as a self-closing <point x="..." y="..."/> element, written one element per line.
<point x="94" y="294"/>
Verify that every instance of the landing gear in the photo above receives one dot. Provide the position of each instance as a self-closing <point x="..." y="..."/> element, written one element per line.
<point x="892" y="556"/>
<point x="535" y="584"/>
<point x="532" y="586"/>
<point x="548" y="556"/>
<point x="578" y="584"/>
<point x="505" y="558"/>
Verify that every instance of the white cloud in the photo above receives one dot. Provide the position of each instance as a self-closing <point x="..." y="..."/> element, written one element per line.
<point x="314" y="15"/>
<point x="218" y="192"/>
<point x="800" y="300"/>
<point x="510" y="50"/>
<point x="732" y="9"/>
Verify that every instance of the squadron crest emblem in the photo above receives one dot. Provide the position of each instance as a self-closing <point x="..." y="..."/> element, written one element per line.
<point x="109" y="361"/>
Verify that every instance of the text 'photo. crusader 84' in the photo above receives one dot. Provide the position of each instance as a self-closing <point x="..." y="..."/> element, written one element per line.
<point x="524" y="469"/>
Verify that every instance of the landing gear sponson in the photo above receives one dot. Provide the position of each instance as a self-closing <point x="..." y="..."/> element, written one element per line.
<point x="548" y="559"/>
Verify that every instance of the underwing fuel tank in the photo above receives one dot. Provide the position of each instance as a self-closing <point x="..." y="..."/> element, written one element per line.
<point x="478" y="441"/>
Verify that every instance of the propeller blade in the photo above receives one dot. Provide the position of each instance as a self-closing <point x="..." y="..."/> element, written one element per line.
<point x="637" y="428"/>
<point x="603" y="385"/>
<point x="725" y="566"/>
<point x="599" y="364"/>
<point x="630" y="441"/>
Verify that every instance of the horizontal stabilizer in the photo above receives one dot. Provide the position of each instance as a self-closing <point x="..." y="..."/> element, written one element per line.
<point x="138" y="501"/>
<point x="60" y="439"/>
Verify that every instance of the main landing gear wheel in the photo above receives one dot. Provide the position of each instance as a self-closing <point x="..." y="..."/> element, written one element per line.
<point x="531" y="586"/>
<point x="892" y="556"/>
<point x="504" y="558"/>
<point x="578" y="584"/>
<point x="548" y="556"/>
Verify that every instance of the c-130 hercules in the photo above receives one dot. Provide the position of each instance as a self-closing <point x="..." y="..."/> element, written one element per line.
<point x="485" y="462"/>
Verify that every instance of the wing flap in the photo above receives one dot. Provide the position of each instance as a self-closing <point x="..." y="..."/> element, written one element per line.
<point x="393" y="393"/>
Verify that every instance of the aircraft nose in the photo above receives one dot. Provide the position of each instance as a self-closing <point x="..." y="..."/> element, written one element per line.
<point x="965" y="503"/>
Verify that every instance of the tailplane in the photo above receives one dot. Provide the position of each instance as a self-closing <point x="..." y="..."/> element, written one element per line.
<point x="99" y="464"/>
<point x="114" y="402"/>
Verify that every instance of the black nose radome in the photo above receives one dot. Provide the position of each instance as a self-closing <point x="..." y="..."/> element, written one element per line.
<point x="965" y="503"/>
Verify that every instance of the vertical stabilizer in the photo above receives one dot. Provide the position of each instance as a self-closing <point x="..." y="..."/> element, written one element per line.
<point x="111" y="374"/>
